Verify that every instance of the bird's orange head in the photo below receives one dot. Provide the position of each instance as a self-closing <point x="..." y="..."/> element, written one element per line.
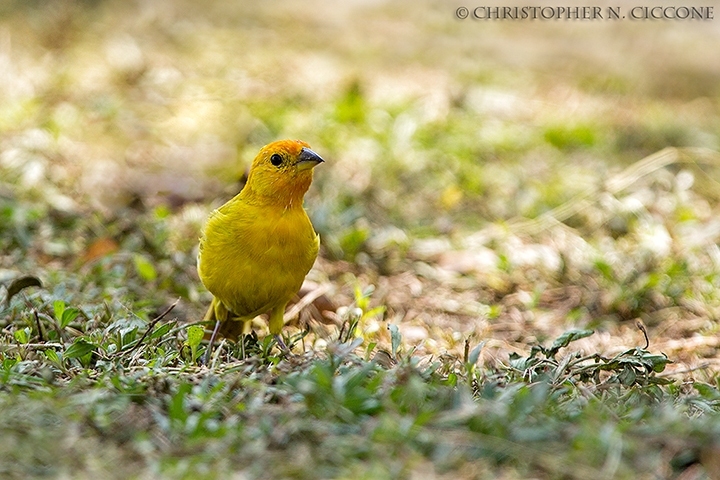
<point x="282" y="172"/>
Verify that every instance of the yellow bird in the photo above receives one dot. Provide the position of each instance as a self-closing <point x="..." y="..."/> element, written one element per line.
<point x="257" y="248"/>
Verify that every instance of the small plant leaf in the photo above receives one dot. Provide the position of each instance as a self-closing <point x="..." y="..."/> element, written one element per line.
<point x="395" y="339"/>
<point x="64" y="314"/>
<point x="176" y="407"/>
<point x="707" y="391"/>
<point x="368" y="351"/>
<point x="566" y="338"/>
<point x="627" y="376"/>
<point x="53" y="357"/>
<point x="58" y="309"/>
<point x="21" y="335"/>
<point x="475" y="353"/>
<point x="657" y="363"/>
<point x="19" y="284"/>
<point x="161" y="330"/>
<point x="68" y="315"/>
<point x="195" y="335"/>
<point x="79" y="348"/>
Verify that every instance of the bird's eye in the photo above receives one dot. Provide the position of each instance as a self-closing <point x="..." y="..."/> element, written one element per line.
<point x="276" y="159"/>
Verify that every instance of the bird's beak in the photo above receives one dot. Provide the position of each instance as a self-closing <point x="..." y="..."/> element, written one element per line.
<point x="308" y="159"/>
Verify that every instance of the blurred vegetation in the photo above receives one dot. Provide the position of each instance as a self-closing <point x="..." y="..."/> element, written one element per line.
<point x="503" y="203"/>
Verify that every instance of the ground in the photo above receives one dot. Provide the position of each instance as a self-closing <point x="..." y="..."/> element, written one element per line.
<point x="490" y="188"/>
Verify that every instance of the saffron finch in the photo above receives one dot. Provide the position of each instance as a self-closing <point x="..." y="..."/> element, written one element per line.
<point x="257" y="248"/>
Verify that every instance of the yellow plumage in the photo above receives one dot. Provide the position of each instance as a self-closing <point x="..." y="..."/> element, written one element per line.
<point x="257" y="248"/>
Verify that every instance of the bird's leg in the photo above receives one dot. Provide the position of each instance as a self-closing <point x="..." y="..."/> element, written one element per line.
<point x="276" y="324"/>
<point x="244" y="332"/>
<point x="208" y="352"/>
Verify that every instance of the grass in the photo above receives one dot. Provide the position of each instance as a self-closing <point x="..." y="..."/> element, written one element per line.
<point x="121" y="408"/>
<point x="519" y="265"/>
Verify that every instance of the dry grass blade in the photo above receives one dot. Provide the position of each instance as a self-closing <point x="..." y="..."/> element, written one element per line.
<point x="641" y="326"/>
<point x="305" y="301"/>
<point x="642" y="168"/>
<point x="151" y="325"/>
<point x="11" y="348"/>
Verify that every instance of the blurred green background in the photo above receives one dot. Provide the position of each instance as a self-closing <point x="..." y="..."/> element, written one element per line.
<point x="430" y="123"/>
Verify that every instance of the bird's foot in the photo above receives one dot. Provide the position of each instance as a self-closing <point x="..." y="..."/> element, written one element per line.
<point x="281" y="344"/>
